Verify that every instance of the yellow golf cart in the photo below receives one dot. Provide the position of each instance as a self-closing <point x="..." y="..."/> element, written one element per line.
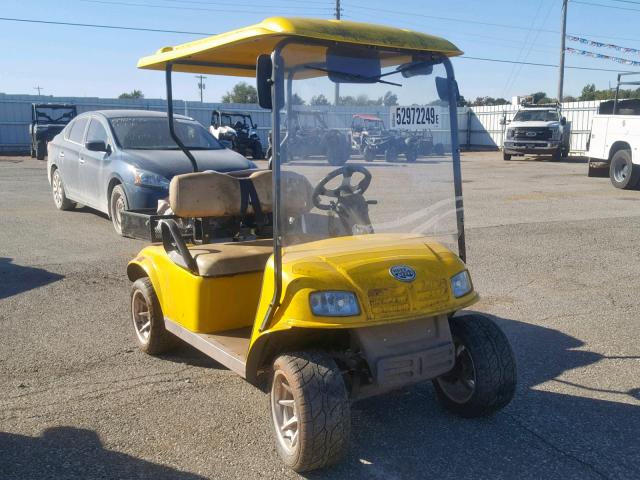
<point x="325" y="285"/>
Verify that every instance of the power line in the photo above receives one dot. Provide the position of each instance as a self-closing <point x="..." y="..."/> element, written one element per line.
<point x="606" y="6"/>
<point x="201" y="9"/>
<point x="39" y="88"/>
<point x="499" y="60"/>
<point x="94" y="25"/>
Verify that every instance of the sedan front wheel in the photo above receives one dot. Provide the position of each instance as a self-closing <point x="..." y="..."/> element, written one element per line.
<point x="117" y="205"/>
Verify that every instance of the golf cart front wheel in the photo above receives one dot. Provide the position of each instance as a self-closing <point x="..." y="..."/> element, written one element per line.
<point x="310" y="410"/>
<point x="148" y="320"/>
<point x="483" y="379"/>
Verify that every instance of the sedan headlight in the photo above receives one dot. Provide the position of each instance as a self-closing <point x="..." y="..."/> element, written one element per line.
<point x="461" y="284"/>
<point x="334" y="304"/>
<point x="148" y="179"/>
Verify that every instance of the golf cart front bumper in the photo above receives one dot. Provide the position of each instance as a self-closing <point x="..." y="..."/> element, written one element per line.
<point x="518" y="147"/>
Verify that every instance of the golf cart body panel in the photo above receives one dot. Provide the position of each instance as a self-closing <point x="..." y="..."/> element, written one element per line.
<point x="318" y="275"/>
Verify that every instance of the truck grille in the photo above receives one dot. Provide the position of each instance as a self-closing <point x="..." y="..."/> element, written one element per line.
<point x="532" y="133"/>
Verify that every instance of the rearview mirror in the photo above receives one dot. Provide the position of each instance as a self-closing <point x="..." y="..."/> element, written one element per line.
<point x="344" y="66"/>
<point x="96" y="146"/>
<point x="413" y="69"/>
<point x="264" y="71"/>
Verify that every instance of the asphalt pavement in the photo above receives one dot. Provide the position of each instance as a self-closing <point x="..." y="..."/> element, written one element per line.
<point x="553" y="253"/>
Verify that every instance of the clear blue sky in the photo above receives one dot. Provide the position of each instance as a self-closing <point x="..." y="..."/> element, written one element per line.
<point x="70" y="61"/>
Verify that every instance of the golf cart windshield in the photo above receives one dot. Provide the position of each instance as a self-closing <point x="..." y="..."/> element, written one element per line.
<point x="152" y="133"/>
<point x="396" y="186"/>
<point x="236" y="120"/>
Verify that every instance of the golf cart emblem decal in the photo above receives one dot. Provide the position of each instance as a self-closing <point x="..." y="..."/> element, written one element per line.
<point x="403" y="273"/>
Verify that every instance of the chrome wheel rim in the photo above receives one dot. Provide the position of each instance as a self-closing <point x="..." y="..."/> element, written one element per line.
<point x="284" y="413"/>
<point x="57" y="189"/>
<point x="620" y="171"/>
<point x="459" y="384"/>
<point x="141" y="316"/>
<point x="117" y="209"/>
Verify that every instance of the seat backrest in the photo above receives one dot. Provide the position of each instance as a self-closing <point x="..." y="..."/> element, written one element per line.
<point x="296" y="194"/>
<point x="205" y="194"/>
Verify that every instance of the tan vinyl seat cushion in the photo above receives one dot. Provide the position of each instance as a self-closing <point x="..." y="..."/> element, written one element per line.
<point x="219" y="259"/>
<point x="204" y="194"/>
<point x="296" y="192"/>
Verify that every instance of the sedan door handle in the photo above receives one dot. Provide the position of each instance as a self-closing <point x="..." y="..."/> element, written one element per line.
<point x="61" y="154"/>
<point x="81" y="161"/>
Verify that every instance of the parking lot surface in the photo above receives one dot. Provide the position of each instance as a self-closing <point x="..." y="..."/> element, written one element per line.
<point x="553" y="253"/>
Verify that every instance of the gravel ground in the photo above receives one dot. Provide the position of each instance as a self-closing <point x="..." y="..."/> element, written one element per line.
<point x="553" y="253"/>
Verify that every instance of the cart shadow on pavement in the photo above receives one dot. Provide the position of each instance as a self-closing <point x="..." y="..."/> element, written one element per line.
<point x="73" y="453"/>
<point x="15" y="279"/>
<point x="541" y="434"/>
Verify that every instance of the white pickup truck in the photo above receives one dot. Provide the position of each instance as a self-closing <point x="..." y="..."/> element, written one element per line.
<point x="615" y="141"/>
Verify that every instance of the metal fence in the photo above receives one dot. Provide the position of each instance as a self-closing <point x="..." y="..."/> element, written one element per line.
<point x="479" y="126"/>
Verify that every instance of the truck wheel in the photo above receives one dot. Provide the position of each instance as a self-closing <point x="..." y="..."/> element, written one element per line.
<point x="310" y="410"/>
<point x="483" y="379"/>
<point x="117" y="204"/>
<point x="557" y="155"/>
<point x="622" y="172"/>
<point x="369" y="154"/>
<point x="506" y="157"/>
<point x="41" y="149"/>
<point x="411" y="155"/>
<point x="391" y="154"/>
<point x="59" y="197"/>
<point x="148" y="321"/>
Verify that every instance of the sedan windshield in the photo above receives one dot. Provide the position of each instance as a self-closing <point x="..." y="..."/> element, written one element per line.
<point x="152" y="133"/>
<point x="536" y="116"/>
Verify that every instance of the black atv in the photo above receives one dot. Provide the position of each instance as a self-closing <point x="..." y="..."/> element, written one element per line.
<point x="238" y="131"/>
<point x="47" y="120"/>
<point x="370" y="137"/>
<point x="309" y="136"/>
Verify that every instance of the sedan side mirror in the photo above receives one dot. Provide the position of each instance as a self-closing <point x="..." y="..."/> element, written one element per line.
<point x="563" y="121"/>
<point x="97" y="146"/>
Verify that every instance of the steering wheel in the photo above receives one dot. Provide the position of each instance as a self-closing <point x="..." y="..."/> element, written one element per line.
<point x="345" y="187"/>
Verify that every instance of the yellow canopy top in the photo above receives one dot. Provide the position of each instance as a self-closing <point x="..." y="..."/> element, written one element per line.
<point x="240" y="48"/>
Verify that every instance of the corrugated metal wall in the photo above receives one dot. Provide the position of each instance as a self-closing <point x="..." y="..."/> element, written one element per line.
<point x="479" y="126"/>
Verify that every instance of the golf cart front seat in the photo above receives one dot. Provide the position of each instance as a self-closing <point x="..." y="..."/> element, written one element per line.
<point x="215" y="195"/>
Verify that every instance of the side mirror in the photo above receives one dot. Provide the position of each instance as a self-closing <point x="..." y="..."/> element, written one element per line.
<point x="444" y="87"/>
<point x="503" y="121"/>
<point x="96" y="146"/>
<point x="264" y="71"/>
<point x="563" y="121"/>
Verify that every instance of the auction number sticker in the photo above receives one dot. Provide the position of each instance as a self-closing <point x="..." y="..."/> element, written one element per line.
<point x="415" y="117"/>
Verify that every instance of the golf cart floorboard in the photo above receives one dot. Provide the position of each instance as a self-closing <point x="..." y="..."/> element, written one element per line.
<point x="228" y="348"/>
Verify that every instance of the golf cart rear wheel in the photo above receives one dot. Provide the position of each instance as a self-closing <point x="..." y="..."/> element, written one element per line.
<point x="391" y="154"/>
<point x="310" y="410"/>
<point x="256" y="151"/>
<point x="148" y="321"/>
<point x="483" y="379"/>
<point x="622" y="172"/>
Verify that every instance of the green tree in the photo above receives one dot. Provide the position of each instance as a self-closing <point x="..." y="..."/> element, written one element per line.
<point x="488" y="102"/>
<point x="241" y="93"/>
<point x="132" y="95"/>
<point x="539" y="97"/>
<point x="390" y="99"/>
<point x="319" y="100"/>
<point x="588" y="92"/>
<point x="297" y="100"/>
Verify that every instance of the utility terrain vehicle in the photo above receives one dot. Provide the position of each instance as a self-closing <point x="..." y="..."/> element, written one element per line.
<point x="238" y="131"/>
<point x="339" y="283"/>
<point x="310" y="136"/>
<point x="48" y="120"/>
<point x="537" y="129"/>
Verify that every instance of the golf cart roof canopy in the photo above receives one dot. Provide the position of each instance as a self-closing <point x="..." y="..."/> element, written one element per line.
<point x="234" y="53"/>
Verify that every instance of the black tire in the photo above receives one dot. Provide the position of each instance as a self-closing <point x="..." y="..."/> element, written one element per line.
<point x="411" y="155"/>
<point x="438" y="149"/>
<point x="597" y="171"/>
<point x="321" y="405"/>
<point x="391" y="155"/>
<point x="335" y="155"/>
<point x="154" y="339"/>
<point x="41" y="149"/>
<point x="369" y="154"/>
<point x="506" y="157"/>
<point x="492" y="364"/>
<point x="256" y="151"/>
<point x="32" y="150"/>
<point x="117" y="204"/>
<point x="556" y="156"/>
<point x="60" y="199"/>
<point x="622" y="172"/>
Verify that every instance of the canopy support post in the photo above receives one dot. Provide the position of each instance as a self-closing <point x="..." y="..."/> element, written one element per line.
<point x="172" y="130"/>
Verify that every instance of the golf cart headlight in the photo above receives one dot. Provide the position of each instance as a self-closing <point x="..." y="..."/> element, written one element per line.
<point x="334" y="304"/>
<point x="461" y="284"/>
<point x="148" y="179"/>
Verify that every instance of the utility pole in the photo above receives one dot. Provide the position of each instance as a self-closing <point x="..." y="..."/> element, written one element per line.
<point x="39" y="88"/>
<point x="201" y="86"/>
<point x="563" y="38"/>
<point x="337" y="85"/>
